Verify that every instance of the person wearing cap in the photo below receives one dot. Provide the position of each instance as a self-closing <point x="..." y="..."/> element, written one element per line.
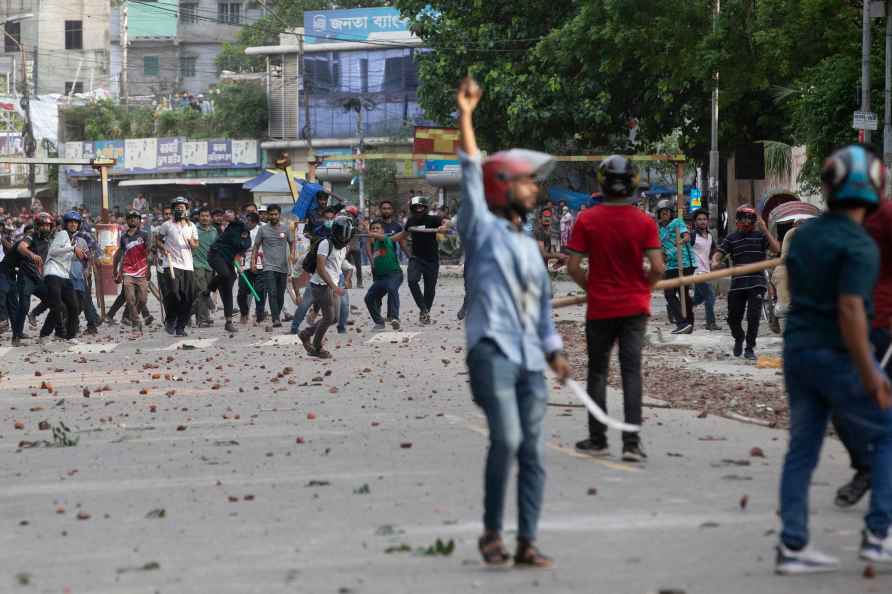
<point x="748" y="245"/>
<point x="511" y="336"/>
<point x="829" y="364"/>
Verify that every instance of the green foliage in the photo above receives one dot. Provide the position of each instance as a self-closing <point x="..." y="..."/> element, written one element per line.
<point x="380" y="180"/>
<point x="240" y="111"/>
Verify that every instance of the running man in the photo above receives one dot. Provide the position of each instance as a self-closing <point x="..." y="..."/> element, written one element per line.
<point x="829" y="364"/>
<point x="131" y="266"/>
<point x="424" y="259"/>
<point x="176" y="239"/>
<point x="511" y="336"/>
<point x="748" y="245"/>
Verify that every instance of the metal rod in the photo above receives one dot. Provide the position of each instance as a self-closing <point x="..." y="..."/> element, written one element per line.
<point x="865" y="63"/>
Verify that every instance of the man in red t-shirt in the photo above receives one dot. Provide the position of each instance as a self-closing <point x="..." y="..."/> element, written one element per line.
<point x="617" y="238"/>
<point x="879" y="225"/>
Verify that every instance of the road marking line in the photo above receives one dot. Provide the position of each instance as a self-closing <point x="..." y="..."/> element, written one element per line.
<point x="387" y="337"/>
<point x="198" y="343"/>
<point x="282" y="340"/>
<point x="4" y="350"/>
<point x="91" y="349"/>
<point x="558" y="448"/>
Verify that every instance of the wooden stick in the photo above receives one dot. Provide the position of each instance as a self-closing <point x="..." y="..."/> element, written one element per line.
<point x="674" y="283"/>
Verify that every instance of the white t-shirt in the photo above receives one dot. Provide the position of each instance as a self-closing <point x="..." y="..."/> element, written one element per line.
<point x="702" y="249"/>
<point x="335" y="262"/>
<point x="176" y="240"/>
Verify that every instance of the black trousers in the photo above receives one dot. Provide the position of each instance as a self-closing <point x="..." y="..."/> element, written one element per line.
<point x="178" y="296"/>
<point x="600" y="336"/>
<point x="749" y="301"/>
<point x="64" y="308"/>
<point x="429" y="271"/>
<point x="673" y="301"/>
<point x="275" y="284"/>
<point x="245" y="298"/>
<point x="224" y="279"/>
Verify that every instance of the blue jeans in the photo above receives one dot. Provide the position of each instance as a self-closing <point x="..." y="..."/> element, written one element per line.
<point x="300" y="312"/>
<point x="514" y="401"/>
<point x="388" y="285"/>
<point x="704" y="293"/>
<point x="821" y="381"/>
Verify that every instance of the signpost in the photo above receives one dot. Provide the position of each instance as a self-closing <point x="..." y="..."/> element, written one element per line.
<point x="865" y="120"/>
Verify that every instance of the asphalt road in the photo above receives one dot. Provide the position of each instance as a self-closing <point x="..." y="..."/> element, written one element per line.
<point x="240" y="466"/>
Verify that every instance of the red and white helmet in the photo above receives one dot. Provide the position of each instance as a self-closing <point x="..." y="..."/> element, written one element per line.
<point x="352" y="211"/>
<point x="502" y="168"/>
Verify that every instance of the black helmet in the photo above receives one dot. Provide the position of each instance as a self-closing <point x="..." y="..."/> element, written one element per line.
<point x="134" y="214"/>
<point x="420" y="201"/>
<point x="342" y="230"/>
<point x="618" y="177"/>
<point x="179" y="200"/>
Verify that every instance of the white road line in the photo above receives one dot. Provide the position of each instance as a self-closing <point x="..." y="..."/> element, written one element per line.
<point x="4" y="350"/>
<point x="90" y="349"/>
<point x="387" y="337"/>
<point x="196" y="343"/>
<point x="281" y="340"/>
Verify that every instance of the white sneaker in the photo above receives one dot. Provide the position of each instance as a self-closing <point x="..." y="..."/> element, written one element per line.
<point x="808" y="560"/>
<point x="874" y="548"/>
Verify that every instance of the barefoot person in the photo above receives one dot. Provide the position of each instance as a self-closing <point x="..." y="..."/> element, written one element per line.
<point x="510" y="332"/>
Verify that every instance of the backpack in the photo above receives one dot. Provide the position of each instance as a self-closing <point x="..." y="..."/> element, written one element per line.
<point x="310" y="260"/>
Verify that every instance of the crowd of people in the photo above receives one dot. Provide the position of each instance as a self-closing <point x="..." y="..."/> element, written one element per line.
<point x="191" y="257"/>
<point x="839" y="280"/>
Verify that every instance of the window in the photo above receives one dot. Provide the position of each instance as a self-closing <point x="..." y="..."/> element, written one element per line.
<point x="151" y="66"/>
<point x="13" y="37"/>
<point x="74" y="35"/>
<point x="189" y="12"/>
<point x="74" y="87"/>
<point x="400" y="74"/>
<point x="187" y="66"/>
<point x="364" y="74"/>
<point x="229" y="13"/>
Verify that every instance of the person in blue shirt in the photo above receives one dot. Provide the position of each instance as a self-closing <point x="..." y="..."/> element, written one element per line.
<point x="511" y="337"/>
<point x="829" y="364"/>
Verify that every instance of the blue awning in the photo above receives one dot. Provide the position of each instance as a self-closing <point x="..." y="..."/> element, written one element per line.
<point x="574" y="200"/>
<point x="256" y="181"/>
<point x="276" y="183"/>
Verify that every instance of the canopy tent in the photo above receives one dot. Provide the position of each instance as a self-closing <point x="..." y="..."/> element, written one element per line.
<point x="574" y="200"/>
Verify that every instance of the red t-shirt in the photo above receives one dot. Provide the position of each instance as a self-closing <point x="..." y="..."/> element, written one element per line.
<point x="879" y="225"/>
<point x="615" y="238"/>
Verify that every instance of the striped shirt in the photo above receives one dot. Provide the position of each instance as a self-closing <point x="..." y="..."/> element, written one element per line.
<point x="746" y="248"/>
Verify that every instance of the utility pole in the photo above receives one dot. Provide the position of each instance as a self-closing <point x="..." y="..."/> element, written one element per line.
<point x="865" y="66"/>
<point x="125" y="42"/>
<point x="30" y="144"/>
<point x="712" y="199"/>
<point x="307" y="129"/>
<point x="359" y="149"/>
<point x="887" y="115"/>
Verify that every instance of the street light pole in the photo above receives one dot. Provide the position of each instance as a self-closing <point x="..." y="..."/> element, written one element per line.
<point x="887" y="111"/>
<point x="712" y="200"/>
<point x="865" y="66"/>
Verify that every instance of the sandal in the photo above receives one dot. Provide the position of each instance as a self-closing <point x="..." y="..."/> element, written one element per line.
<point x="493" y="550"/>
<point x="529" y="556"/>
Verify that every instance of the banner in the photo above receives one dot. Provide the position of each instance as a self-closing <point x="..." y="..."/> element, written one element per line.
<point x="357" y="24"/>
<point x="165" y="155"/>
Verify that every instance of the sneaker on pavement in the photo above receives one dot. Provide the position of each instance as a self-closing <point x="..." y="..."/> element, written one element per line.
<point x="320" y="354"/>
<point x="738" y="348"/>
<point x="305" y="340"/>
<point x="808" y="560"/>
<point x="713" y="327"/>
<point x="592" y="448"/>
<point x="633" y="453"/>
<point x="852" y="492"/>
<point x="749" y="355"/>
<point x="182" y="332"/>
<point x="170" y="329"/>
<point x="230" y="327"/>
<point x="379" y="326"/>
<point x="684" y="328"/>
<point x="277" y="324"/>
<point x="876" y="549"/>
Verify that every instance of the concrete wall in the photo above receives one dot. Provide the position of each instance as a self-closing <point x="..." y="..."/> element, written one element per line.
<point x="165" y="82"/>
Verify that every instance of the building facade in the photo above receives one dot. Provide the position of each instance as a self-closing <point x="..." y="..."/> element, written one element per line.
<point x="66" y="45"/>
<point x="173" y="44"/>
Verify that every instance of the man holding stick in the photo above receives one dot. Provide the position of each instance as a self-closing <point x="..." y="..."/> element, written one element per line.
<point x="670" y="231"/>
<point x="747" y="245"/>
<point x="177" y="238"/>
<point x="510" y="332"/>
<point x="616" y="237"/>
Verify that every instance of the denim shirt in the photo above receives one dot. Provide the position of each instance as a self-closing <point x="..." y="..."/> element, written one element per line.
<point x="509" y="292"/>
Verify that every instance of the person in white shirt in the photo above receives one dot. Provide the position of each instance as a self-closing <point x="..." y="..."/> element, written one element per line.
<point x="331" y="255"/>
<point x="704" y="247"/>
<point x="61" y="297"/>
<point x="176" y="239"/>
<point x="139" y="203"/>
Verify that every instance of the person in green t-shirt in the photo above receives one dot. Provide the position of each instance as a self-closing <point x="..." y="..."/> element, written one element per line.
<point x="207" y="235"/>
<point x="387" y="276"/>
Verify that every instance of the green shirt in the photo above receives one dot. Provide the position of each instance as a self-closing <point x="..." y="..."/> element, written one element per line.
<point x="206" y="238"/>
<point x="385" y="260"/>
<point x="828" y="257"/>
<point x="667" y="239"/>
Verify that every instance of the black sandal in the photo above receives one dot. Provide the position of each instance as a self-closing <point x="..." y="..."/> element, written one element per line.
<point x="493" y="550"/>
<point x="529" y="556"/>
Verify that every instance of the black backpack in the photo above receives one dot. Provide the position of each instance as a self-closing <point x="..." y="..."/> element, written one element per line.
<point x="309" y="263"/>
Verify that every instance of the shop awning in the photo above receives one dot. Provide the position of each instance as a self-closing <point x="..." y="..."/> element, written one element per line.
<point x="184" y="181"/>
<point x="276" y="184"/>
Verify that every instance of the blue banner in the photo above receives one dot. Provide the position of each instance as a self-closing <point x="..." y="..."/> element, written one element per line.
<point x="358" y="24"/>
